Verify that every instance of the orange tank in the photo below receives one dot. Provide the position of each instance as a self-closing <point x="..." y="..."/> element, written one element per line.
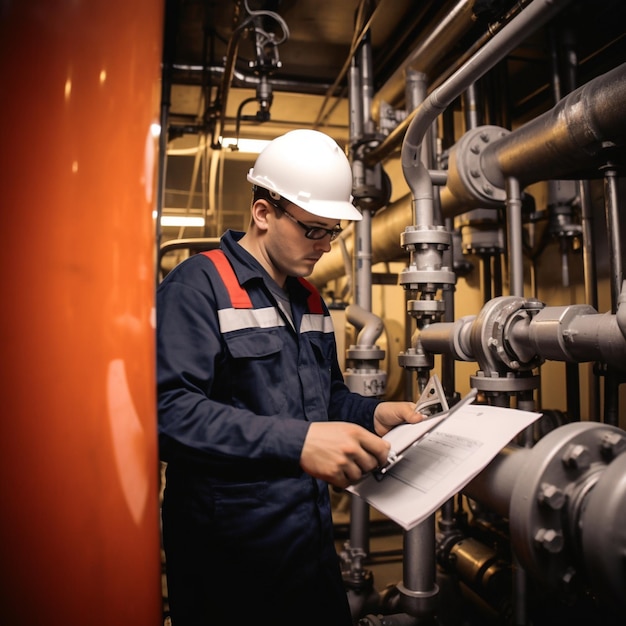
<point x="79" y="474"/>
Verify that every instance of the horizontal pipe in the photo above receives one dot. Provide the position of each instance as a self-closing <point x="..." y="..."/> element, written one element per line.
<point x="579" y="132"/>
<point x="494" y="485"/>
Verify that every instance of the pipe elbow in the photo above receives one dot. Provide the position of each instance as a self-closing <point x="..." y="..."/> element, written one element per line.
<point x="370" y="326"/>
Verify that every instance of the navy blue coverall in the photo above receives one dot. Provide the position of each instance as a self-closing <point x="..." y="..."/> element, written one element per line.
<point x="247" y="534"/>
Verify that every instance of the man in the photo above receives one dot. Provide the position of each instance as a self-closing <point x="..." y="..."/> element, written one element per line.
<point x="254" y="417"/>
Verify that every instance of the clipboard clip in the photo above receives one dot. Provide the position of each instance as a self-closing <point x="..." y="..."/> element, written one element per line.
<point x="433" y="399"/>
<point x="428" y="401"/>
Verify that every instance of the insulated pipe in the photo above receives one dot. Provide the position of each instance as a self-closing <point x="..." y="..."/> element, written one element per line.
<point x="79" y="471"/>
<point x="575" y="134"/>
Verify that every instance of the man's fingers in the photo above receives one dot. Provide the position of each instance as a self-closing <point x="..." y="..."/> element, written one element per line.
<point x="376" y="452"/>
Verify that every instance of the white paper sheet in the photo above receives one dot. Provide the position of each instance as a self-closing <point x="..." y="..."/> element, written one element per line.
<point x="442" y="462"/>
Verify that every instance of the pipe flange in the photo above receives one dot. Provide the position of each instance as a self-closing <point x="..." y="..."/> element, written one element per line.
<point x="414" y="236"/>
<point x="487" y="339"/>
<point x="411" y="278"/>
<point x="425" y="307"/>
<point x="466" y="177"/>
<point x="416" y="360"/>
<point x="369" y="384"/>
<point x="603" y="531"/>
<point x="550" y="497"/>
<point x="418" y="603"/>
<point x="365" y="353"/>
<point x="510" y="383"/>
<point x="508" y="314"/>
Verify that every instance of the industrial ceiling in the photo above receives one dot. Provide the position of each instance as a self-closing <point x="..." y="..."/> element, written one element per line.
<point x="257" y="68"/>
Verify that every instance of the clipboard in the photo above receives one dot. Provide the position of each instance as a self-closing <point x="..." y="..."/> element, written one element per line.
<point x="430" y="401"/>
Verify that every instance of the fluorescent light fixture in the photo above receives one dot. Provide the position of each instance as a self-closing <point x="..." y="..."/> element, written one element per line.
<point x="182" y="220"/>
<point x="251" y="146"/>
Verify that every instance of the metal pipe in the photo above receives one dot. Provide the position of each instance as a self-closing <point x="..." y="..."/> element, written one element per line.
<point x="418" y="589"/>
<point x="574" y="333"/>
<point x="221" y="98"/>
<point x="514" y="236"/>
<point x="363" y="27"/>
<point x="589" y="259"/>
<point x="494" y="485"/>
<point x="611" y="380"/>
<point x="574" y="135"/>
<point x="369" y="324"/>
<point x="359" y="509"/>
<point x="613" y="230"/>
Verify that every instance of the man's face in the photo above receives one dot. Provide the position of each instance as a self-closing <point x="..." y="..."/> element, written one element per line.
<point x="290" y="250"/>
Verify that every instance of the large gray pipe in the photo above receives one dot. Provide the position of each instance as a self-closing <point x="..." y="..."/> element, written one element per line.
<point x="579" y="135"/>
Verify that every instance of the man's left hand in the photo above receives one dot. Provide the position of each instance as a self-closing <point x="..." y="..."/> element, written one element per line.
<point x="390" y="414"/>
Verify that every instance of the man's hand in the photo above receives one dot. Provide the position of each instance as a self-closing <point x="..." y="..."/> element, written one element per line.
<point x="341" y="453"/>
<point x="391" y="414"/>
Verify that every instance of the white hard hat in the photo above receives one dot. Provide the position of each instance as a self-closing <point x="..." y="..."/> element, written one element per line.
<point x="309" y="169"/>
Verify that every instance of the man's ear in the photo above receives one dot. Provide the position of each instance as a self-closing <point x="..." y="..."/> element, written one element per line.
<point x="260" y="210"/>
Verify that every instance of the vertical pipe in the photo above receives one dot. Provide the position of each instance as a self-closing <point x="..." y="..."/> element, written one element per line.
<point x="572" y="371"/>
<point x="359" y="509"/>
<point x="611" y="379"/>
<point x="419" y="557"/>
<point x="419" y="543"/>
<point x="514" y="236"/>
<point x="590" y="280"/>
<point x="589" y="261"/>
<point x="79" y="532"/>
<point x="485" y="263"/>
<point x="497" y="275"/>
<point x="613" y="229"/>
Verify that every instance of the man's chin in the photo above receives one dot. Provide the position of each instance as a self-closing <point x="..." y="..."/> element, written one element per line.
<point x="305" y="268"/>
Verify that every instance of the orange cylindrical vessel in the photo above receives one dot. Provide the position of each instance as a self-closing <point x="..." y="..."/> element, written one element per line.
<point x="79" y="475"/>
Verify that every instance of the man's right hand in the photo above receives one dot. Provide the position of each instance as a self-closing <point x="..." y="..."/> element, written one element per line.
<point x="341" y="453"/>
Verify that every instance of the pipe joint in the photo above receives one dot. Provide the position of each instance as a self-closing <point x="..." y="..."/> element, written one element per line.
<point x="468" y="185"/>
